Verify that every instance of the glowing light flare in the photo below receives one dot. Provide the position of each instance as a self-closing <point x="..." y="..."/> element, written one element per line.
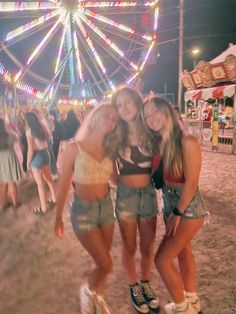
<point x="61" y="44"/>
<point x="108" y="21"/>
<point x="77" y="55"/>
<point x="133" y="77"/>
<point x="24" y="28"/>
<point x="105" y="4"/>
<point x="33" y="55"/>
<point x="147" y="55"/>
<point x="101" y="34"/>
<point x="156" y="14"/>
<point x="27" y="6"/>
<point x="91" y="46"/>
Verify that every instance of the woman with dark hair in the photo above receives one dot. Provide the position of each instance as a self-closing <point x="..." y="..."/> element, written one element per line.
<point x="38" y="160"/>
<point x="136" y="204"/>
<point x="10" y="171"/>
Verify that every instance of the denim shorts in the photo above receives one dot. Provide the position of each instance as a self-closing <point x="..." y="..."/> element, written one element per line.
<point x="40" y="159"/>
<point x="171" y="196"/>
<point x="135" y="203"/>
<point x="86" y="216"/>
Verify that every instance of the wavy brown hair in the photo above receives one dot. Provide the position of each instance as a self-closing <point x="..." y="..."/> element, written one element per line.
<point x="169" y="137"/>
<point x="142" y="131"/>
<point x="35" y="126"/>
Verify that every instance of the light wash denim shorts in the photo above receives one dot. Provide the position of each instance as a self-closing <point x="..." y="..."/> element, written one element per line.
<point x="86" y="216"/>
<point x="40" y="159"/>
<point x="171" y="196"/>
<point x="135" y="203"/>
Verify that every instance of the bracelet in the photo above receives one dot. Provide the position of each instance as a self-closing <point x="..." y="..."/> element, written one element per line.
<point x="177" y="212"/>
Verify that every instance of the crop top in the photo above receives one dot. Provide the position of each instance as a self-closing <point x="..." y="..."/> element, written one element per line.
<point x="88" y="170"/>
<point x="134" y="160"/>
<point x="167" y="177"/>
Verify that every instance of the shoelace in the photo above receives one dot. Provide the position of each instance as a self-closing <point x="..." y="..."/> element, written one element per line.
<point x="137" y="294"/>
<point x="102" y="303"/>
<point x="148" y="290"/>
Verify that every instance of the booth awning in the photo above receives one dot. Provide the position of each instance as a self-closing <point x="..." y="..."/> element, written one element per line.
<point x="213" y="93"/>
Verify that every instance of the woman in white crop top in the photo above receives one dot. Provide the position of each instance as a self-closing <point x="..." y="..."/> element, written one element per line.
<point x="89" y="164"/>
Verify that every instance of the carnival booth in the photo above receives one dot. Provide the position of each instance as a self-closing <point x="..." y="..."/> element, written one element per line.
<point x="210" y="100"/>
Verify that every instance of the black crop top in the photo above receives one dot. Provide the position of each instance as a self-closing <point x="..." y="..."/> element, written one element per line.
<point x="134" y="160"/>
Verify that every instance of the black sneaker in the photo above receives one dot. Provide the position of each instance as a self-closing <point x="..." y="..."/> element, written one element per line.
<point x="149" y="295"/>
<point x="137" y="299"/>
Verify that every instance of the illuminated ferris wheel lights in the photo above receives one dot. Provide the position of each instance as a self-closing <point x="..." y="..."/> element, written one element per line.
<point x="156" y="14"/>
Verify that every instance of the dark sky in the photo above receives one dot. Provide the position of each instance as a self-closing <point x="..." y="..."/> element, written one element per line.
<point x="208" y="24"/>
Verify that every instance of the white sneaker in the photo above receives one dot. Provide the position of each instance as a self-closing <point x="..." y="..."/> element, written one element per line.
<point x="87" y="300"/>
<point x="171" y="309"/>
<point x="196" y="304"/>
<point x="101" y="306"/>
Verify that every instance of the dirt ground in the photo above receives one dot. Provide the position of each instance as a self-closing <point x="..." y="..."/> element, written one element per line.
<point x="40" y="274"/>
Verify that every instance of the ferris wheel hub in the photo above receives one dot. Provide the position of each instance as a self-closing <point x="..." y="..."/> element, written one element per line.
<point x="70" y="4"/>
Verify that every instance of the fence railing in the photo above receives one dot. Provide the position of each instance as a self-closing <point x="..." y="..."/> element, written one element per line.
<point x="203" y="131"/>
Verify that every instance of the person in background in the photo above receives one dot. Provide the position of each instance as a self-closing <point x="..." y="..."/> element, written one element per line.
<point x="136" y="204"/>
<point x="38" y="161"/>
<point x="10" y="171"/>
<point x="88" y="162"/>
<point x="183" y="208"/>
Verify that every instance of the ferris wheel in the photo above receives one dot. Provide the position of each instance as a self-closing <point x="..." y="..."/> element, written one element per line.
<point x="77" y="48"/>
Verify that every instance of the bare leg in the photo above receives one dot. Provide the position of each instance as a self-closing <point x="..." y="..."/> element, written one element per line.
<point x="187" y="268"/>
<point x="147" y="229"/>
<point x="169" y="249"/>
<point x="3" y="194"/>
<point x="48" y="178"/>
<point x="41" y="187"/>
<point x="98" y="248"/>
<point x="13" y="192"/>
<point x="128" y="231"/>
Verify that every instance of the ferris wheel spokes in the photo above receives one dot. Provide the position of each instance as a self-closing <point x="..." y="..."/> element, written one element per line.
<point x="39" y="48"/>
<point x="28" y="6"/>
<point x="33" y="24"/>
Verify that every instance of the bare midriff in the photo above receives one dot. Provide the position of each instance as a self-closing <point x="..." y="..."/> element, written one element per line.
<point x="91" y="192"/>
<point x="136" y="181"/>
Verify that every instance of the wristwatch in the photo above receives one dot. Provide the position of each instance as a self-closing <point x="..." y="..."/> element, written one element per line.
<point x="177" y="212"/>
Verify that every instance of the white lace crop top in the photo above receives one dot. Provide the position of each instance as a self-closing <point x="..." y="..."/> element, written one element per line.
<point x="88" y="170"/>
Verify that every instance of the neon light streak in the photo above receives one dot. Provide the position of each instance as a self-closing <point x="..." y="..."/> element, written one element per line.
<point x="23" y="6"/>
<point x="36" y="51"/>
<point x="106" y="4"/>
<point x="108" y="21"/>
<point x="24" y="28"/>
<point x="91" y="46"/>
<point x="71" y="57"/>
<point x="77" y="54"/>
<point x="156" y="14"/>
<point x="147" y="55"/>
<point x="61" y="44"/>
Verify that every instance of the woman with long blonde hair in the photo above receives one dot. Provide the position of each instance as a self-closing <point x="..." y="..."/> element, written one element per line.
<point x="183" y="208"/>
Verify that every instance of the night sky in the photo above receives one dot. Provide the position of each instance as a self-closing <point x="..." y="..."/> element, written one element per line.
<point x="208" y="24"/>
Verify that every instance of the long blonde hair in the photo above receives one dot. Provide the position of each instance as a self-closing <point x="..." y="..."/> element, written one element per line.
<point x="91" y="123"/>
<point x="142" y="132"/>
<point x="170" y="137"/>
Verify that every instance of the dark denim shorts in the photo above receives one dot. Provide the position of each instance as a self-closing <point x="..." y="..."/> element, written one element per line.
<point x="171" y="196"/>
<point x="135" y="203"/>
<point x="40" y="159"/>
<point x="87" y="216"/>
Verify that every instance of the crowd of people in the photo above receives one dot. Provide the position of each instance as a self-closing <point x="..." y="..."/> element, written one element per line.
<point x="132" y="145"/>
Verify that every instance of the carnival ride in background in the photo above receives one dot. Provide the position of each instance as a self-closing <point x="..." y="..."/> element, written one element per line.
<point x="75" y="48"/>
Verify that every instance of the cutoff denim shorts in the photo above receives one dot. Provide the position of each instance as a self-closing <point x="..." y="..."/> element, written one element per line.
<point x="86" y="216"/>
<point x="40" y="159"/>
<point x="135" y="203"/>
<point x="171" y="196"/>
